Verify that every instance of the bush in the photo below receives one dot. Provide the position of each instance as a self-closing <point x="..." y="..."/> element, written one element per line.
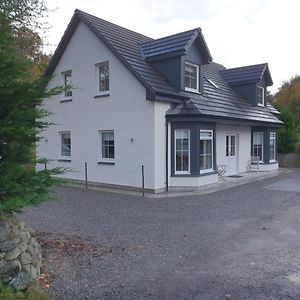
<point x="34" y="292"/>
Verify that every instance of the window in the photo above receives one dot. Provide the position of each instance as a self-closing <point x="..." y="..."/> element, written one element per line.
<point x="206" y="151"/>
<point x="191" y="77"/>
<point x="103" y="77"/>
<point x="272" y="146"/>
<point x="258" y="145"/>
<point x="68" y="84"/>
<point x="182" y="151"/>
<point x="260" y="96"/>
<point x="65" y="144"/>
<point x="107" y="145"/>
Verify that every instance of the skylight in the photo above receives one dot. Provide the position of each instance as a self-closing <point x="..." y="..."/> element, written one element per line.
<point x="212" y="83"/>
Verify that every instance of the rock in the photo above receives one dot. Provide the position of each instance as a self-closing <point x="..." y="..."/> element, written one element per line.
<point x="25" y="258"/>
<point x="24" y="237"/>
<point x="20" y="254"/>
<point x="13" y="254"/>
<point x="21" y="225"/>
<point x="7" y="246"/>
<point x="10" y="269"/>
<point x="33" y="272"/>
<point x="22" y="247"/>
<point x="21" y="281"/>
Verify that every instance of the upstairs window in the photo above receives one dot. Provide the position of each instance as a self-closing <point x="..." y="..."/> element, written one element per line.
<point x="191" y="77"/>
<point x="260" y="96"/>
<point x="68" y="84"/>
<point x="272" y="146"/>
<point x="65" y="144"/>
<point x="206" y="151"/>
<point x="107" y="145"/>
<point x="103" y="77"/>
<point x="182" y="151"/>
<point x="258" y="145"/>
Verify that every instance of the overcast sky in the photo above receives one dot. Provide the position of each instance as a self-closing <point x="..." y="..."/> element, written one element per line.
<point x="238" y="33"/>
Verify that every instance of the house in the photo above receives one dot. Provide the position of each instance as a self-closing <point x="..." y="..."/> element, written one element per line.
<point x="162" y="104"/>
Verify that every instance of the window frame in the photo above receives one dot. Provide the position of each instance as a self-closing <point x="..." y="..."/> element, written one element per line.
<point x="65" y="96"/>
<point x="187" y="172"/>
<point x="61" y="133"/>
<point x="262" y="145"/>
<point x="272" y="137"/>
<point x="189" y="89"/>
<point x="106" y="159"/>
<point x="98" y="84"/>
<point x="261" y="88"/>
<point x="203" y="171"/>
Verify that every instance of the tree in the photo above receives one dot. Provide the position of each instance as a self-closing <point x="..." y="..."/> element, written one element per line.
<point x="28" y="25"/>
<point x="21" y="125"/>
<point x="288" y="96"/>
<point x="288" y="134"/>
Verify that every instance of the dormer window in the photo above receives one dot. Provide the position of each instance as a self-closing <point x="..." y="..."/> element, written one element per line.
<point x="260" y="96"/>
<point x="191" y="77"/>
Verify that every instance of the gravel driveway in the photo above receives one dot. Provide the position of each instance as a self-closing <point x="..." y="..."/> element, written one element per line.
<point x="241" y="243"/>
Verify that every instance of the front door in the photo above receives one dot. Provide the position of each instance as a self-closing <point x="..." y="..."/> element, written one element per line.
<point x="231" y="154"/>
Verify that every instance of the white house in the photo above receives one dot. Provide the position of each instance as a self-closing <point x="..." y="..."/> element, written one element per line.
<point x="162" y="104"/>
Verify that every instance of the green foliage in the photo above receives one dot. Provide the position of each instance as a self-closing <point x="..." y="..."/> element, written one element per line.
<point x="32" y="293"/>
<point x="287" y="135"/>
<point x="21" y="126"/>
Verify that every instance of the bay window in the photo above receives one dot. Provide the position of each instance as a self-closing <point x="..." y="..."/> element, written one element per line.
<point x="206" y="151"/>
<point x="272" y="146"/>
<point x="182" y="151"/>
<point x="258" y="145"/>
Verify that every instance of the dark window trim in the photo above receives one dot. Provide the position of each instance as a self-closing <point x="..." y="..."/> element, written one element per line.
<point x="194" y="128"/>
<point x="64" y="160"/>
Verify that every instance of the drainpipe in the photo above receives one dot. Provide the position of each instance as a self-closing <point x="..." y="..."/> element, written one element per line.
<point x="167" y="155"/>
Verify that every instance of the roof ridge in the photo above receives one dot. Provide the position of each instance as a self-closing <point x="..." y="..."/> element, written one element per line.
<point x="80" y="12"/>
<point x="168" y="36"/>
<point x="244" y="67"/>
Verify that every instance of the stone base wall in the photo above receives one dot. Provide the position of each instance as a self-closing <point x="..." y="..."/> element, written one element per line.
<point x="20" y="254"/>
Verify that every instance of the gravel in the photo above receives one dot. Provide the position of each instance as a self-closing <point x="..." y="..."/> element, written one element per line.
<point x="240" y="243"/>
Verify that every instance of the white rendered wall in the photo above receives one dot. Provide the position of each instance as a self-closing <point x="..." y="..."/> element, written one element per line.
<point x="160" y="144"/>
<point x="126" y="111"/>
<point x="243" y="145"/>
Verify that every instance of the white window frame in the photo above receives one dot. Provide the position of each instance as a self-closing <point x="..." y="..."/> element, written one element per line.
<point x="101" y="158"/>
<point x="61" y="133"/>
<point x="212" y="149"/>
<point x="63" y="79"/>
<point x="262" y="145"/>
<point x="188" y="89"/>
<point x="189" y="151"/>
<point x="273" y="137"/>
<point x="263" y="96"/>
<point x="97" y="79"/>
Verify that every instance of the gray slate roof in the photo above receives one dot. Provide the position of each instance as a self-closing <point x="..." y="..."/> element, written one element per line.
<point x="176" y="44"/>
<point x="131" y="47"/>
<point x="246" y="74"/>
<point x="222" y="102"/>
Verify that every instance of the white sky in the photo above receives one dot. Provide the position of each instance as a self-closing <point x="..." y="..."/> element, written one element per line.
<point x="238" y="33"/>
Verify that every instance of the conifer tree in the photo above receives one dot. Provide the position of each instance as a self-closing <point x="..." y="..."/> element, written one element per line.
<point x="21" y="126"/>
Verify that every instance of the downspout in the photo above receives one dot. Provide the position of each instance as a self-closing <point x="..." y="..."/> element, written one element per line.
<point x="167" y="155"/>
